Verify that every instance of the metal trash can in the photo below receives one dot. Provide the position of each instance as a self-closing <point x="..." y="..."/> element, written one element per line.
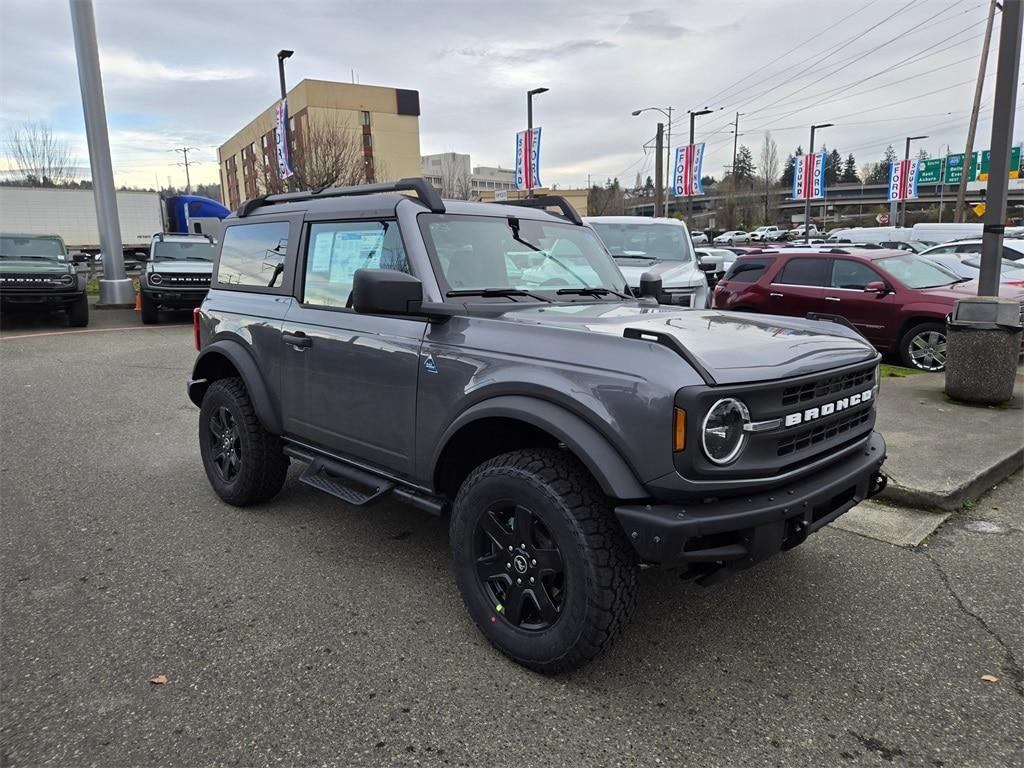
<point x="983" y="347"/>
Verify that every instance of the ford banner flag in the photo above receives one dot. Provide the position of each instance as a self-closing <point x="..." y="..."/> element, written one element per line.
<point x="528" y="159"/>
<point x="284" y="165"/>
<point x="903" y="179"/>
<point x="686" y="171"/>
<point x="809" y="176"/>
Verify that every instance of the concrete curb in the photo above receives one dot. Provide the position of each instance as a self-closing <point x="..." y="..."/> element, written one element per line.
<point x="954" y="498"/>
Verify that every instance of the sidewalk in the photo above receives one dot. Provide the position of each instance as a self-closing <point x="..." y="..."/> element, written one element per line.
<point x="943" y="454"/>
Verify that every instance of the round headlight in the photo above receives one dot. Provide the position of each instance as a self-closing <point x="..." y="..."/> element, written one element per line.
<point x="156" y="278"/>
<point x="67" y="280"/>
<point x="722" y="435"/>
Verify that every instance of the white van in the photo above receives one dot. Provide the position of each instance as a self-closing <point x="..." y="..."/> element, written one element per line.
<point x="873" y="235"/>
<point x="943" y="233"/>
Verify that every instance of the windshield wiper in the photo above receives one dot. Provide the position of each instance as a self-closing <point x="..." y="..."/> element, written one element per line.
<point x="590" y="292"/>
<point x="501" y="292"/>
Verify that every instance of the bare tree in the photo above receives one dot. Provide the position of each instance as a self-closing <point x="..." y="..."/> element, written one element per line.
<point x="456" y="182"/>
<point x="768" y="167"/>
<point x="40" y="156"/>
<point x="326" y="154"/>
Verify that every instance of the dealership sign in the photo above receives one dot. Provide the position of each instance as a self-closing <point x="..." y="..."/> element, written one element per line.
<point x="903" y="179"/>
<point x="528" y="159"/>
<point x="809" y="176"/>
<point x="687" y="170"/>
<point x="284" y="165"/>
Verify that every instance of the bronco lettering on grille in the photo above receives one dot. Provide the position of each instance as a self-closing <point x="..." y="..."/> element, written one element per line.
<point x="821" y="411"/>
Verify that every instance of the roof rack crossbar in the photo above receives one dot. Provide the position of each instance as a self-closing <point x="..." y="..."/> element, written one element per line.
<point x="425" y="193"/>
<point x="546" y="201"/>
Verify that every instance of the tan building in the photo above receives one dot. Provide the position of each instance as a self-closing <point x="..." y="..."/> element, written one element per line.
<point x="577" y="198"/>
<point x="385" y="121"/>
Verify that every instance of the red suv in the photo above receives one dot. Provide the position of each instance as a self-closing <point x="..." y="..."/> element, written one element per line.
<point x="898" y="300"/>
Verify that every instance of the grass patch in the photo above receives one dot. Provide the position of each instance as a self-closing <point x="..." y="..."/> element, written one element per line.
<point x="897" y="371"/>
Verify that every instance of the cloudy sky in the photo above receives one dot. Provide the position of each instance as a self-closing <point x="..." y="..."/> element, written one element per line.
<point x="192" y="73"/>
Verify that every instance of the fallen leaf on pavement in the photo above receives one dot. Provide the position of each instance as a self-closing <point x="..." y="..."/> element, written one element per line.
<point x="161" y="679"/>
<point x="990" y="678"/>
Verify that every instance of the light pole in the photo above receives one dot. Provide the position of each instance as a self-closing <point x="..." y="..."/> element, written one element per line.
<point x="281" y="56"/>
<point x="903" y="203"/>
<point x="807" y="199"/>
<point x="529" y="133"/>
<point x="693" y="116"/>
<point x="667" y="112"/>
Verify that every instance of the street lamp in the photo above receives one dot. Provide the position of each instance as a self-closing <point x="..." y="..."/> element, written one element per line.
<point x="281" y="56"/>
<point x="529" y="127"/>
<point x="667" y="112"/>
<point x="807" y="200"/>
<point x="693" y="116"/>
<point x="906" y="156"/>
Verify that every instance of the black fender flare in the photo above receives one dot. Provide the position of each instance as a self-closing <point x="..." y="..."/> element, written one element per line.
<point x="611" y="471"/>
<point x="208" y="364"/>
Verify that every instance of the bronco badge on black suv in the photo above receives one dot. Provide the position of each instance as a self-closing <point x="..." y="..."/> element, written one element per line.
<point x="487" y="362"/>
<point x="37" y="274"/>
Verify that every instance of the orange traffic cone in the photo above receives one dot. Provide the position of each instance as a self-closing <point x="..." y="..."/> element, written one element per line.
<point x="138" y="302"/>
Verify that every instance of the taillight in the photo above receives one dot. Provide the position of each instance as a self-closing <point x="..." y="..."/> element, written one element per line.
<point x="195" y="327"/>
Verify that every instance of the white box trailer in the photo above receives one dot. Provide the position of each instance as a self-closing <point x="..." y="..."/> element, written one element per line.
<point x="71" y="213"/>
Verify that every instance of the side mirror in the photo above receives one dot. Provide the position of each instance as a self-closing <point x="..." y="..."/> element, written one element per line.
<point x="386" y="292"/>
<point x="876" y="286"/>
<point x="711" y="264"/>
<point x="650" y="286"/>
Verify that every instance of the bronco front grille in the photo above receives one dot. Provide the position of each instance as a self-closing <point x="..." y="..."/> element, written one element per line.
<point x="31" y="281"/>
<point x="830" y="385"/>
<point x="187" y="280"/>
<point x="809" y="437"/>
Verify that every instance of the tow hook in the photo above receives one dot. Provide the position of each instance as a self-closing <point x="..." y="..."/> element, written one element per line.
<point x="879" y="481"/>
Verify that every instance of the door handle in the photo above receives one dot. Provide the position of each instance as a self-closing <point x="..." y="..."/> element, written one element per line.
<point x="831" y="298"/>
<point x="775" y="295"/>
<point x="299" y="340"/>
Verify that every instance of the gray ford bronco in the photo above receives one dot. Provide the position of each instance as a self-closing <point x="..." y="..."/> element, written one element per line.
<point x="38" y="275"/>
<point x="486" y="362"/>
<point x="176" y="274"/>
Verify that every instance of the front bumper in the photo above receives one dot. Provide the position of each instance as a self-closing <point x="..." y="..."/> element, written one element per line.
<point x="41" y="297"/>
<point x="731" y="534"/>
<point x="179" y="298"/>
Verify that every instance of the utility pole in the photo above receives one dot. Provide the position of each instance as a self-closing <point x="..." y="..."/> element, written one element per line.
<point x="1003" y="107"/>
<point x="807" y="200"/>
<point x="903" y="203"/>
<point x="961" y="194"/>
<point x="735" y="142"/>
<point x="689" y="197"/>
<point x="183" y="151"/>
<point x="942" y="182"/>
<point x="115" y="288"/>
<point x="668" y="156"/>
<point x="659" y="169"/>
<point x="529" y="136"/>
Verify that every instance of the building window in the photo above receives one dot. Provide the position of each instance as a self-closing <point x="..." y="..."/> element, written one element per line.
<point x="264" y="142"/>
<point x="364" y="117"/>
<point x="367" y="141"/>
<point x="252" y="148"/>
<point x="291" y="123"/>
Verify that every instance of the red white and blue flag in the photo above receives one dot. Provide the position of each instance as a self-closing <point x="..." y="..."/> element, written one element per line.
<point x="284" y="163"/>
<point x="809" y="176"/>
<point x="903" y="179"/>
<point x="528" y="159"/>
<point x="687" y="170"/>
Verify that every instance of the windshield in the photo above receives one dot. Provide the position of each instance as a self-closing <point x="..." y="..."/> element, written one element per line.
<point x="200" y="249"/>
<point x="483" y="253"/>
<point x="51" y="248"/>
<point x="1007" y="265"/>
<point x="666" y="242"/>
<point x="916" y="271"/>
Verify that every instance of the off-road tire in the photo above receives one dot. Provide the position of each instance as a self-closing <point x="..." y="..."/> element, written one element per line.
<point x="149" y="310"/>
<point x="263" y="464"/>
<point x="78" y="312"/>
<point x="600" y="566"/>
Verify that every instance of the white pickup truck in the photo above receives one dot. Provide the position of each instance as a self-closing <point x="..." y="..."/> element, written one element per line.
<point x="764" y="234"/>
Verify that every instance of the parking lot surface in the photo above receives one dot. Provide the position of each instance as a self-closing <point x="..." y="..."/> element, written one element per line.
<point x="307" y="632"/>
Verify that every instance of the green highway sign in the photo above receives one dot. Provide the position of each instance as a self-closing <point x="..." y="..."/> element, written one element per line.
<point x="929" y="171"/>
<point x="1014" y="164"/>
<point x="955" y="168"/>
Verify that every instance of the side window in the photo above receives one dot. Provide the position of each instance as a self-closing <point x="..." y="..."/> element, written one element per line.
<point x="747" y="271"/>
<point x="253" y="254"/>
<point x="809" y="272"/>
<point x="337" y="249"/>
<point x="968" y="248"/>
<point x="943" y="249"/>
<point x="852" y="275"/>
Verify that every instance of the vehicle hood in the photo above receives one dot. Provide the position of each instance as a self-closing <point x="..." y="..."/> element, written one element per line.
<point x="733" y="347"/>
<point x="966" y="290"/>
<point x="672" y="273"/>
<point x="172" y="266"/>
<point x="23" y="266"/>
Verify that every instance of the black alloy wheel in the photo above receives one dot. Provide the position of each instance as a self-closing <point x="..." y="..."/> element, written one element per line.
<point x="225" y="446"/>
<point x="519" y="566"/>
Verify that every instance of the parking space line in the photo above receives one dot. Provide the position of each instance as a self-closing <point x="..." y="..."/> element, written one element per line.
<point x="92" y="330"/>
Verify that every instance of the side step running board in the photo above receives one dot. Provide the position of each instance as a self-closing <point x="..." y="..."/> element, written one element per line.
<point x="351" y="485"/>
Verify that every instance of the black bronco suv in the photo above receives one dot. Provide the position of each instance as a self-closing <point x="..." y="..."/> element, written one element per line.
<point x="36" y="274"/>
<point x="486" y="362"/>
<point x="176" y="274"/>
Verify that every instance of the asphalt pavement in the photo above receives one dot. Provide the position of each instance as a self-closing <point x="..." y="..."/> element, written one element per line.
<point x="306" y="632"/>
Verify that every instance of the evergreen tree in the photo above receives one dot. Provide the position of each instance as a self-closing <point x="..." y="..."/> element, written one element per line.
<point x="833" y="167"/>
<point x="744" y="169"/>
<point x="787" y="169"/>
<point x="850" y="175"/>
